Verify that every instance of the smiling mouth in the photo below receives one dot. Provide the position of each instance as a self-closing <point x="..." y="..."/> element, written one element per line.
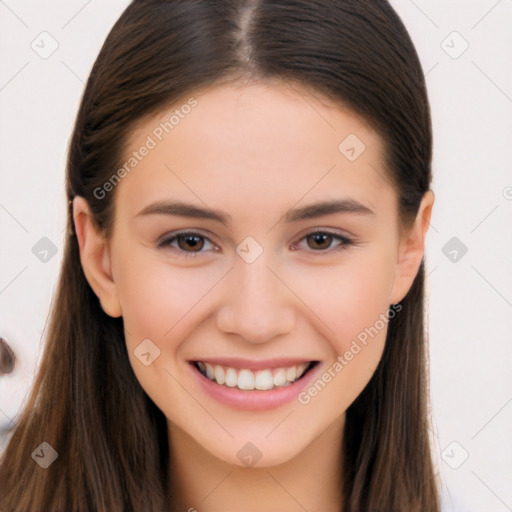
<point x="246" y="380"/>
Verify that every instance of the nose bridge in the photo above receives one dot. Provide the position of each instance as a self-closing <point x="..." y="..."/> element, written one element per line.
<point x="257" y="305"/>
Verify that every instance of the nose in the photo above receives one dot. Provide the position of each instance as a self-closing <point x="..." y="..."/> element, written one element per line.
<point x="257" y="305"/>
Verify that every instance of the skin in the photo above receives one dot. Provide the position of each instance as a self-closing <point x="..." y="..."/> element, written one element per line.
<point x="254" y="151"/>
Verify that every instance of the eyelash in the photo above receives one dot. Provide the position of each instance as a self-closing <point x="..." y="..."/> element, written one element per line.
<point x="345" y="242"/>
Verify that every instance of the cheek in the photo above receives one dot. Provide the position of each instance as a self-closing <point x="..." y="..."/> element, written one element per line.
<point x="354" y="304"/>
<point x="364" y="299"/>
<point x="158" y="299"/>
<point x="349" y="297"/>
<point x="159" y="303"/>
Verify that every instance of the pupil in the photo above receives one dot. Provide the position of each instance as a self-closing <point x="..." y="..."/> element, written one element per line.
<point x="191" y="242"/>
<point x="320" y="238"/>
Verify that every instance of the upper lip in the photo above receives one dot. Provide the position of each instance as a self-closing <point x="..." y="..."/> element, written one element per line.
<point x="254" y="364"/>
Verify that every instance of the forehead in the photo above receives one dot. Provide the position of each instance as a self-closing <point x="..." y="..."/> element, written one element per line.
<point x="258" y="148"/>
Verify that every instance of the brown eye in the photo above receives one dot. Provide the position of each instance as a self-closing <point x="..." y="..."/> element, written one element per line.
<point x="187" y="244"/>
<point x="190" y="242"/>
<point x="320" y="240"/>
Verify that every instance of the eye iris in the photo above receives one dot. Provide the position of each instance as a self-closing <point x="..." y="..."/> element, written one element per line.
<point x="320" y="238"/>
<point x="195" y="242"/>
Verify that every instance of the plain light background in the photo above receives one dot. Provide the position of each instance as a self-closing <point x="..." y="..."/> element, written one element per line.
<point x="466" y="51"/>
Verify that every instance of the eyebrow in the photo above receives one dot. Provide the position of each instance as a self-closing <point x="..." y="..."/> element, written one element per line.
<point x="312" y="211"/>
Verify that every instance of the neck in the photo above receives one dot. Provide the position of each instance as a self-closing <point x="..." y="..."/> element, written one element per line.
<point x="309" y="481"/>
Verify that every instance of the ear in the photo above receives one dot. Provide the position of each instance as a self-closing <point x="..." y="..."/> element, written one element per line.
<point x="412" y="249"/>
<point x="95" y="257"/>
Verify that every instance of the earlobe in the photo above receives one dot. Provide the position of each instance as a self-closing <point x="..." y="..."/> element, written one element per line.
<point x="95" y="258"/>
<point x="412" y="249"/>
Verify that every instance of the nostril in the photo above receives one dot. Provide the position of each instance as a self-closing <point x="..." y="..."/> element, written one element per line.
<point x="7" y="358"/>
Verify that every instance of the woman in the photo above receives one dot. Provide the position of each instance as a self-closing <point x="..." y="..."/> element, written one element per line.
<point x="239" y="318"/>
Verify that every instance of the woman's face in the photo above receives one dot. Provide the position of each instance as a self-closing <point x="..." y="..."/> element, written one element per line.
<point x="250" y="288"/>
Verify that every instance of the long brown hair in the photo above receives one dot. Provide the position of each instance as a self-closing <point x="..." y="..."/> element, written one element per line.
<point x="86" y="402"/>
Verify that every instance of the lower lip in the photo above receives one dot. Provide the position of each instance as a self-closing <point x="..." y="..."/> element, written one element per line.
<point x="254" y="400"/>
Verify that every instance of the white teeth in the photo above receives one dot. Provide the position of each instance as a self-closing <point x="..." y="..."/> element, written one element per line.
<point x="291" y="373"/>
<point x="231" y="378"/>
<point x="248" y="380"/>
<point x="209" y="370"/>
<point x="280" y="377"/>
<point x="264" y="380"/>
<point x="301" y="369"/>
<point x="219" y="374"/>
<point x="245" y="379"/>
